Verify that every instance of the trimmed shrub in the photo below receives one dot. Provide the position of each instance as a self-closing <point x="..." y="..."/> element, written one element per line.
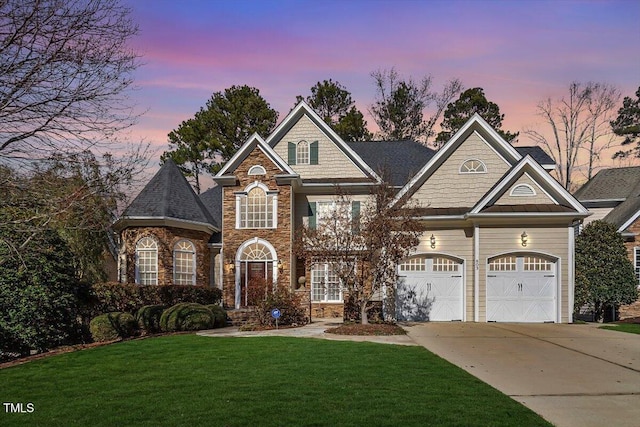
<point x="186" y="317"/>
<point x="102" y="298"/>
<point x="111" y="326"/>
<point x="148" y="318"/>
<point x="219" y="315"/>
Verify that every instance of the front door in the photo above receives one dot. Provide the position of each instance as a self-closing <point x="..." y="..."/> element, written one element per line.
<point x="257" y="273"/>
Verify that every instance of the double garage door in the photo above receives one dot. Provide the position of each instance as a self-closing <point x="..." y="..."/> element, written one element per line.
<point x="519" y="288"/>
<point x="429" y="288"/>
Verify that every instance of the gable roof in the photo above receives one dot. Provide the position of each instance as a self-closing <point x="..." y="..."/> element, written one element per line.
<point x="168" y="197"/>
<point x="538" y="154"/>
<point x="254" y="141"/>
<point x="399" y="159"/>
<point x="475" y="124"/>
<point x="212" y="200"/>
<point x="554" y="190"/>
<point x="303" y="109"/>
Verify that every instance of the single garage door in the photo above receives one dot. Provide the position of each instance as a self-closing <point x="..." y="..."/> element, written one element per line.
<point x="521" y="289"/>
<point x="429" y="288"/>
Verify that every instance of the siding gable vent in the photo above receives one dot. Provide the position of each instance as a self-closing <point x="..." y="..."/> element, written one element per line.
<point x="523" y="190"/>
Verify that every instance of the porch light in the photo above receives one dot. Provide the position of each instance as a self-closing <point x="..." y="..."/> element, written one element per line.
<point x="231" y="266"/>
<point x="523" y="239"/>
<point x="280" y="266"/>
<point x="433" y="241"/>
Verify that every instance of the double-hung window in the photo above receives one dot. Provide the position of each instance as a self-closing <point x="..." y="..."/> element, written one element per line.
<point x="256" y="207"/>
<point x="184" y="263"/>
<point x="325" y="285"/>
<point x="147" y="261"/>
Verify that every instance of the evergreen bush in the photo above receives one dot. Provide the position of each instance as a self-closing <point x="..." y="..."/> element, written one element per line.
<point x="186" y="317"/>
<point x="148" y="318"/>
<point x="111" y="326"/>
<point x="219" y="314"/>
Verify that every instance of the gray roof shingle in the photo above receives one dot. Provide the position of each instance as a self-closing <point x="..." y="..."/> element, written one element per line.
<point x="400" y="159"/>
<point x="536" y="153"/>
<point x="169" y="195"/>
<point x="610" y="184"/>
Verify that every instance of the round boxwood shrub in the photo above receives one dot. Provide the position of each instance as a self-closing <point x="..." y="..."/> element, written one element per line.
<point x="186" y="317"/>
<point x="148" y="318"/>
<point x="219" y="314"/>
<point x="111" y="326"/>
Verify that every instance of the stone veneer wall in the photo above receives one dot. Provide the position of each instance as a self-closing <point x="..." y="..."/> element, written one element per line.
<point x="280" y="238"/>
<point x="167" y="237"/>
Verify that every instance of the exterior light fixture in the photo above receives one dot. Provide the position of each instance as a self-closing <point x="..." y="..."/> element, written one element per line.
<point x="231" y="266"/>
<point x="280" y="266"/>
<point x="433" y="241"/>
<point x="523" y="239"/>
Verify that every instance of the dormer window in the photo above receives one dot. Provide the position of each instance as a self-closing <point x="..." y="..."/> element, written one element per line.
<point x="523" y="190"/>
<point x="473" y="166"/>
<point x="257" y="170"/>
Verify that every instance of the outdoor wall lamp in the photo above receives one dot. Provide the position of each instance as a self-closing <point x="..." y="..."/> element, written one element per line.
<point x="231" y="266"/>
<point x="523" y="239"/>
<point x="280" y="266"/>
<point x="433" y="241"/>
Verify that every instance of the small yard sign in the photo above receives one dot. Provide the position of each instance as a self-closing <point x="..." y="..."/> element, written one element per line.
<point x="275" y="313"/>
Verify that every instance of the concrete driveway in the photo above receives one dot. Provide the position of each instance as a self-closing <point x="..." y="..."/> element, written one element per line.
<point x="572" y="375"/>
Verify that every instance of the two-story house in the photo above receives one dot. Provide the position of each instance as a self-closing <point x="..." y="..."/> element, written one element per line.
<point x="499" y="236"/>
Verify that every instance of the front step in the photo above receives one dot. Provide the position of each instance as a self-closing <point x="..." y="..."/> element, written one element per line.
<point x="241" y="316"/>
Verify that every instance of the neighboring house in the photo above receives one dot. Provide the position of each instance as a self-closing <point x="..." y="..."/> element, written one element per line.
<point x="499" y="236"/>
<point x="613" y="195"/>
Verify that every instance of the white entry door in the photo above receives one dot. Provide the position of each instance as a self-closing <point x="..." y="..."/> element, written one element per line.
<point x="521" y="289"/>
<point x="430" y="289"/>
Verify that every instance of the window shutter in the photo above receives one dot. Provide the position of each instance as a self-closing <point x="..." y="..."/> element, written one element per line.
<point x="313" y="153"/>
<point x="292" y="153"/>
<point x="355" y="217"/>
<point x="312" y="215"/>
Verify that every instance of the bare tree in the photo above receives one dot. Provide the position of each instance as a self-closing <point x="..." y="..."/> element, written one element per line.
<point x="400" y="105"/>
<point x="65" y="69"/>
<point x="579" y="125"/>
<point x="362" y="251"/>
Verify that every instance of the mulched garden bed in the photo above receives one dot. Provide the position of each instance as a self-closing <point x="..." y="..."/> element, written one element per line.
<point x="370" y="329"/>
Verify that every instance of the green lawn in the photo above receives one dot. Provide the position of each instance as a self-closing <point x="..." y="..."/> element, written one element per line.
<point x="632" y="328"/>
<point x="191" y="380"/>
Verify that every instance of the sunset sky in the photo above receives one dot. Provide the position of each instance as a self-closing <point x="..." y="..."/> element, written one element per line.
<point x="520" y="52"/>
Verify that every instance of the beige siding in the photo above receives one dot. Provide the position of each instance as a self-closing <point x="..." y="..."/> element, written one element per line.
<point x="550" y="241"/>
<point x="454" y="243"/>
<point x="332" y="162"/>
<point x="447" y="187"/>
<point x="597" y="213"/>
<point x="539" y="198"/>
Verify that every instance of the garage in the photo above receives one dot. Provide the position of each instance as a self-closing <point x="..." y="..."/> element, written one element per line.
<point x="430" y="288"/>
<point x="521" y="288"/>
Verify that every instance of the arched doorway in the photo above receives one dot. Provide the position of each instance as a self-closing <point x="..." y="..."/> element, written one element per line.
<point x="255" y="259"/>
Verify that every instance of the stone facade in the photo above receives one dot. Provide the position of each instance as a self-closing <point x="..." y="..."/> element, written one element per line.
<point x="631" y="310"/>
<point x="280" y="237"/>
<point x="166" y="237"/>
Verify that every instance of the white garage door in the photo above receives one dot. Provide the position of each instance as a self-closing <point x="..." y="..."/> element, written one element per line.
<point x="429" y="288"/>
<point x="521" y="289"/>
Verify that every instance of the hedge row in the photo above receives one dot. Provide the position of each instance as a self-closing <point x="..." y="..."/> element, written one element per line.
<point x="155" y="318"/>
<point x="102" y="298"/>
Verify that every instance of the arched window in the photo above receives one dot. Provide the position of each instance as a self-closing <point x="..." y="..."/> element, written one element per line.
<point x="257" y="170"/>
<point x="473" y="166"/>
<point x="523" y="190"/>
<point x="147" y="261"/>
<point x="256" y="207"/>
<point x="302" y="153"/>
<point x="184" y="263"/>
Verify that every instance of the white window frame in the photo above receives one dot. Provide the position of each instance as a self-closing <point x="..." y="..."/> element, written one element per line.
<point x="324" y="211"/>
<point x="187" y="277"/>
<point x="322" y="275"/>
<point x="531" y="191"/>
<point x="636" y="263"/>
<point x="271" y="207"/>
<point x="303" y="153"/>
<point x="465" y="167"/>
<point x="147" y="272"/>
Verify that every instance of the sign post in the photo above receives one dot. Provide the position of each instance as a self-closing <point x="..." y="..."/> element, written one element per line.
<point x="275" y="313"/>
